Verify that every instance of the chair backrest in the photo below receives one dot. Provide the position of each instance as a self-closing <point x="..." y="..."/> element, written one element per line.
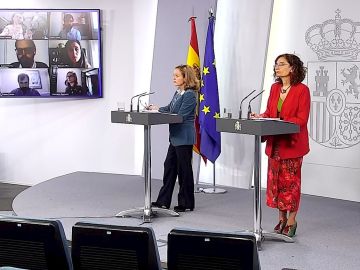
<point x="33" y="244"/>
<point x="97" y="246"/>
<point x="195" y="250"/>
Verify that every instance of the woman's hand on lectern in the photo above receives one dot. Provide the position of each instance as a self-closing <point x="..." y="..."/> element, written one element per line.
<point x="152" y="107"/>
<point x="255" y="115"/>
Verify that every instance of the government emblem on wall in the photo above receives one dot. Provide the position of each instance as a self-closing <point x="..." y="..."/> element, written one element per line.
<point x="334" y="82"/>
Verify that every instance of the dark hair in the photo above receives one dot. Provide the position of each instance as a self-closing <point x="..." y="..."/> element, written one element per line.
<point x="21" y="76"/>
<point x="298" y="71"/>
<point x="76" y="89"/>
<point x="71" y="73"/>
<point x="27" y="40"/>
<point x="190" y="77"/>
<point x="68" y="16"/>
<point x="82" y="61"/>
<point x="69" y="42"/>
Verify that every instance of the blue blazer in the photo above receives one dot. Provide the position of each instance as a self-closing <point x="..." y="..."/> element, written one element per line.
<point x="182" y="133"/>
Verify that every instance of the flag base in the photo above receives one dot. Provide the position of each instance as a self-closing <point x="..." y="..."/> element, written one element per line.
<point x="199" y="190"/>
<point x="214" y="190"/>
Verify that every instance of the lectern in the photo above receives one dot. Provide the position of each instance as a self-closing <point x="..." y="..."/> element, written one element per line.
<point x="258" y="128"/>
<point x="146" y="119"/>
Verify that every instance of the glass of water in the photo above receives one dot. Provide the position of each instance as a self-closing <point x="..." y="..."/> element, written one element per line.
<point x="121" y="106"/>
<point x="227" y="113"/>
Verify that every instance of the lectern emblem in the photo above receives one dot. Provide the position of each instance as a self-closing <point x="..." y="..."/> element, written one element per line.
<point x="237" y="126"/>
<point x="128" y="118"/>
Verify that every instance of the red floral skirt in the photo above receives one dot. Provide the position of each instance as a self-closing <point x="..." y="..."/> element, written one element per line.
<point x="283" y="182"/>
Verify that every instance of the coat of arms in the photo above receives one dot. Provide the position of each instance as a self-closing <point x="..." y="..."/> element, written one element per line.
<point x="334" y="82"/>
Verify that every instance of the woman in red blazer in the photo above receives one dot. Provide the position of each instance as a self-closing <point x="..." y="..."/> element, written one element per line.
<point x="289" y="100"/>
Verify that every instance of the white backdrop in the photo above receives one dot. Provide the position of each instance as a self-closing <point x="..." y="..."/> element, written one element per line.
<point x="328" y="170"/>
<point x="171" y="47"/>
<point x="241" y="35"/>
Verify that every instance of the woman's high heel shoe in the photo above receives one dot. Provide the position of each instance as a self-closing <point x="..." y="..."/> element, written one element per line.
<point x="290" y="230"/>
<point x="280" y="226"/>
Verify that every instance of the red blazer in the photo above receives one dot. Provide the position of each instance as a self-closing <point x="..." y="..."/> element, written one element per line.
<point x="295" y="109"/>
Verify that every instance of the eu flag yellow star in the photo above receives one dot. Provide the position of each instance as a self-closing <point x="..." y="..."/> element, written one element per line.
<point x="217" y="115"/>
<point x="206" y="109"/>
<point x="206" y="70"/>
<point x="201" y="98"/>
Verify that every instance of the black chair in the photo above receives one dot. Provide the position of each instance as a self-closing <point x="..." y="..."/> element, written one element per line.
<point x="199" y="250"/>
<point x="97" y="246"/>
<point x="33" y="244"/>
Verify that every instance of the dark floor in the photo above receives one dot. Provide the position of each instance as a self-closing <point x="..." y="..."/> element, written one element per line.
<point x="7" y="194"/>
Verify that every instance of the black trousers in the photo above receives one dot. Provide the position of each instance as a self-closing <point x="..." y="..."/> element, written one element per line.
<point x="178" y="164"/>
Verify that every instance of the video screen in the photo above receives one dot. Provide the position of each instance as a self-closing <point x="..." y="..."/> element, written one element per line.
<point x="50" y="53"/>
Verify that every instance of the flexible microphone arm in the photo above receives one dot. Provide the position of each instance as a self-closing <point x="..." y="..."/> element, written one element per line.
<point x="131" y="102"/>
<point x="249" y="106"/>
<point x="240" y="110"/>
<point x="140" y="96"/>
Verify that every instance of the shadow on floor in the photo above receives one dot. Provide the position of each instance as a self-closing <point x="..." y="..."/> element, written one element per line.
<point x="7" y="194"/>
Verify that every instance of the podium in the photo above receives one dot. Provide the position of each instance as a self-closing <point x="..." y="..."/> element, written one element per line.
<point x="258" y="128"/>
<point x="146" y="119"/>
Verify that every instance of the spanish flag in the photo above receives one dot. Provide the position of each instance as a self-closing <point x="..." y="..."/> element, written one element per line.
<point x="193" y="60"/>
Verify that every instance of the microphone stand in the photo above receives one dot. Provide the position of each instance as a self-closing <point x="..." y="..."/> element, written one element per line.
<point x="140" y="96"/>
<point x="240" y="110"/>
<point x="131" y="101"/>
<point x="249" y="106"/>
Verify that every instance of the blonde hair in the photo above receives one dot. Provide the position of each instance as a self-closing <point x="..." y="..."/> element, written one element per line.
<point x="190" y="78"/>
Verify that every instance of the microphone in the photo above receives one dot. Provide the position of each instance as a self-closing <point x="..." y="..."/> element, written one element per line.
<point x="140" y="96"/>
<point x="240" y="110"/>
<point x="249" y="106"/>
<point x="131" y="102"/>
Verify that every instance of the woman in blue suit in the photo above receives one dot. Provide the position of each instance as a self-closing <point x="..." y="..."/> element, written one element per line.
<point x="182" y="137"/>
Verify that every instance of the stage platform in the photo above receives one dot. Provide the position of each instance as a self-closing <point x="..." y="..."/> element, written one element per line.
<point x="328" y="233"/>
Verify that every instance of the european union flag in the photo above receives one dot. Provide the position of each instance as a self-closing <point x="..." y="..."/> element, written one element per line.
<point x="209" y="100"/>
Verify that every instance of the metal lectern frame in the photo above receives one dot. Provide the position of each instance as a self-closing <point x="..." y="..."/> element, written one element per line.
<point x="146" y="119"/>
<point x="258" y="128"/>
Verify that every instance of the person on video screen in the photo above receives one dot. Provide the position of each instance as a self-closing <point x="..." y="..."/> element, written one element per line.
<point x="25" y="52"/>
<point x="39" y="26"/>
<point x="16" y="29"/>
<point x="69" y="31"/>
<point x="72" y="86"/>
<point x="24" y="89"/>
<point x="75" y="55"/>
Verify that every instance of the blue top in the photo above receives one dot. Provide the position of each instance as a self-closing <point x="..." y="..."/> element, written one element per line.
<point x="25" y="92"/>
<point x="184" y="105"/>
<point x="73" y="34"/>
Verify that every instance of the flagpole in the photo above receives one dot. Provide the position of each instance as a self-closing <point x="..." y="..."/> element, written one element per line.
<point x="209" y="99"/>
<point x="197" y="188"/>
<point x="193" y="60"/>
<point x="214" y="189"/>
